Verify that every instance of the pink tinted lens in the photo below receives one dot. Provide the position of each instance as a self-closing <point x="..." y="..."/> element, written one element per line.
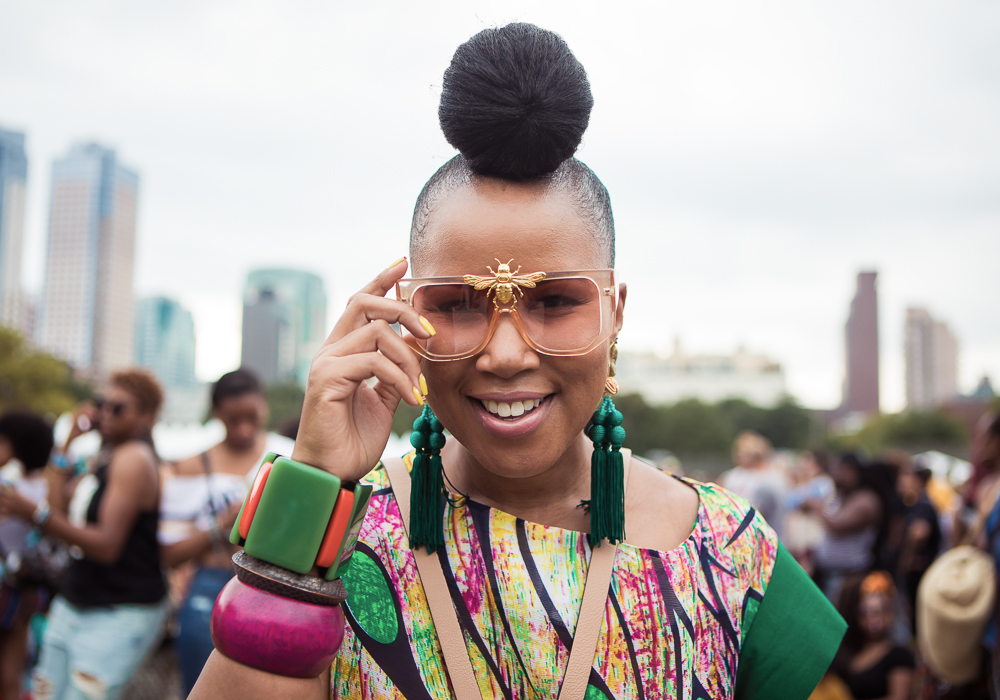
<point x="459" y="314"/>
<point x="562" y="314"/>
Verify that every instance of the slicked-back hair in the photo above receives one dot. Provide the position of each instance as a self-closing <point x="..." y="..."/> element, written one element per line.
<point x="571" y="177"/>
<point x="516" y="102"/>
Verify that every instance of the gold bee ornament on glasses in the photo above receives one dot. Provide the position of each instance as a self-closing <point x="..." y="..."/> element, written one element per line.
<point x="504" y="283"/>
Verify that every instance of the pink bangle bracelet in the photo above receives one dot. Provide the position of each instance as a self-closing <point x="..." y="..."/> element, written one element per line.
<point x="277" y="621"/>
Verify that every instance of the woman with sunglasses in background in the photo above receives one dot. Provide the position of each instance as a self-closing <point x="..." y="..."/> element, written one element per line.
<point x="526" y="555"/>
<point x="112" y="606"/>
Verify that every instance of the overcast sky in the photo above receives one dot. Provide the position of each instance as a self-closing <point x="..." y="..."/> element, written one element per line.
<point x="758" y="155"/>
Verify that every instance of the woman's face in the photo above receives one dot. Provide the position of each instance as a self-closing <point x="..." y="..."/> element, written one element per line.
<point x="244" y="417"/>
<point x="541" y="231"/>
<point x="119" y="418"/>
<point x="875" y="616"/>
<point x="845" y="476"/>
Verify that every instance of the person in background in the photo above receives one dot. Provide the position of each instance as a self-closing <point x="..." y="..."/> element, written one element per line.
<point x="755" y="479"/>
<point x="804" y="531"/>
<point x="870" y="662"/>
<point x="984" y="453"/>
<point x="921" y="533"/>
<point x="853" y="519"/>
<point x="112" y="607"/>
<point x="987" y="456"/>
<point x="202" y="496"/>
<point x="25" y="446"/>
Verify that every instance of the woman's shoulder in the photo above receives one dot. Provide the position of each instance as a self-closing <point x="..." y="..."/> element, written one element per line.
<point x="728" y="518"/>
<point x="131" y="459"/>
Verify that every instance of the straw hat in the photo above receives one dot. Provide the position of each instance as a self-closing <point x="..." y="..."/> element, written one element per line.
<point x="954" y="603"/>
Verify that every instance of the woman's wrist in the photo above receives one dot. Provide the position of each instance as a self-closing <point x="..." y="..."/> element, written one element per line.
<point x="315" y="459"/>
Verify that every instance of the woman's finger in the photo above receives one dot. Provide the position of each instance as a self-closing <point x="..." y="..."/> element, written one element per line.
<point x="379" y="336"/>
<point x="365" y="308"/>
<point x="386" y="279"/>
<point x="360" y="367"/>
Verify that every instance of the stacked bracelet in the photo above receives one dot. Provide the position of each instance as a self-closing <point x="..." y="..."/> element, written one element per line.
<point x="299" y="517"/>
<point x="277" y="615"/>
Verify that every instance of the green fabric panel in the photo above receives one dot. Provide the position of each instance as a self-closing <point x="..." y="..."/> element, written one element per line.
<point x="753" y="605"/>
<point x="370" y="600"/>
<point x="793" y="639"/>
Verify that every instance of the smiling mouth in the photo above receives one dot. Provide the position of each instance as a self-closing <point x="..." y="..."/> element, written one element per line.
<point x="513" y="410"/>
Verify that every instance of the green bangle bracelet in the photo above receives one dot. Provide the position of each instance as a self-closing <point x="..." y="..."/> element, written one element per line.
<point x="295" y="513"/>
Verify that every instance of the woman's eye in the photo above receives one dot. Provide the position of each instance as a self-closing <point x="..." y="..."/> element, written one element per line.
<point x="557" y="301"/>
<point x="454" y="306"/>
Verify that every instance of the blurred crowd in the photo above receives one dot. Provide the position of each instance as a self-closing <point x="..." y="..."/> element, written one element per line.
<point x="907" y="557"/>
<point x="106" y="560"/>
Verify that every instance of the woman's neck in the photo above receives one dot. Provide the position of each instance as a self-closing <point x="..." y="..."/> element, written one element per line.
<point x="551" y="497"/>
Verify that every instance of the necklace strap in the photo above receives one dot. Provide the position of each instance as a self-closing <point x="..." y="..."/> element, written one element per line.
<point x="445" y="618"/>
<point x="591" y="618"/>
<point x="449" y="633"/>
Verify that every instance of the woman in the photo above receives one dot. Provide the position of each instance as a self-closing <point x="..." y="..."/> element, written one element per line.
<point x="113" y="604"/>
<point x="25" y="446"/>
<point x="201" y="498"/>
<point x="688" y="601"/>
<point x="756" y="479"/>
<point x="855" y="522"/>
<point x="871" y="664"/>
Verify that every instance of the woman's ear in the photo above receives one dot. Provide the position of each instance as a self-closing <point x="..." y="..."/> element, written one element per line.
<point x="620" y="311"/>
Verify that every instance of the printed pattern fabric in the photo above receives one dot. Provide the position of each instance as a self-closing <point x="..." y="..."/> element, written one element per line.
<point x="673" y="624"/>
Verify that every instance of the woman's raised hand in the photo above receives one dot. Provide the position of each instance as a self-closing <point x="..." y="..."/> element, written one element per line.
<point x="345" y="422"/>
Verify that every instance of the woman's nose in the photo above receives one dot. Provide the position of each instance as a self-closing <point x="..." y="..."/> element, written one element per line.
<point x="507" y="353"/>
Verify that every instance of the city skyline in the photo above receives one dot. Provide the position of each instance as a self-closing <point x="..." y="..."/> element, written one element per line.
<point x="86" y="313"/>
<point x="284" y="323"/>
<point x="861" y="340"/>
<point x="770" y="164"/>
<point x="931" y="361"/>
<point x="165" y="341"/>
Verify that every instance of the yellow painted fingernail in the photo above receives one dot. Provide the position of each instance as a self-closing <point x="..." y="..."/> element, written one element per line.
<point x="397" y="262"/>
<point x="427" y="326"/>
<point x="418" y="396"/>
<point x="423" y="385"/>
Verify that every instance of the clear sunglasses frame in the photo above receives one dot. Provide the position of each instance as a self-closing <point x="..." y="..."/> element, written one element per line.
<point x="603" y="280"/>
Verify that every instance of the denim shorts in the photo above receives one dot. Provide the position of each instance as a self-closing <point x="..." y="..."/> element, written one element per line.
<point x="90" y="654"/>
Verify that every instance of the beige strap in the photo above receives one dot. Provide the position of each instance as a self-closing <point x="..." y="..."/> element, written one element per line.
<point x="591" y="619"/>
<point x="443" y="614"/>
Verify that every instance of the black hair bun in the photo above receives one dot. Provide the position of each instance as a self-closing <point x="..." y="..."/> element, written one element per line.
<point x="515" y="102"/>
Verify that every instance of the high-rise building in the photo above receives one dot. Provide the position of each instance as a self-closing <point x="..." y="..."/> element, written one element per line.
<point x="164" y="341"/>
<point x="87" y="312"/>
<point x="861" y="391"/>
<point x="13" y="178"/>
<point x="931" y="361"/>
<point x="284" y="323"/>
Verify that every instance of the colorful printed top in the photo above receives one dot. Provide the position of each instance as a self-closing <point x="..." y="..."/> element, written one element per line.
<point x="727" y="614"/>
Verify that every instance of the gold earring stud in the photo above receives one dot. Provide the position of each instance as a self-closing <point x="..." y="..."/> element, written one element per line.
<point x="610" y="385"/>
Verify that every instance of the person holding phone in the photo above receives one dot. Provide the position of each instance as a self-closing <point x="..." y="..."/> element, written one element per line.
<point x="201" y="499"/>
<point x="113" y="604"/>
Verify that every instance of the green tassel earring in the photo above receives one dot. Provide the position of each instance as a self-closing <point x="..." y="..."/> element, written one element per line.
<point x="427" y="483"/>
<point x="607" y="475"/>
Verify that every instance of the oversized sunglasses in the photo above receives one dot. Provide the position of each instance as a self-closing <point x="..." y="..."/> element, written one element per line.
<point x="568" y="312"/>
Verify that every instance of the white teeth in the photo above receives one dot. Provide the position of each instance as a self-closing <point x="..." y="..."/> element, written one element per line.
<point x="514" y="409"/>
